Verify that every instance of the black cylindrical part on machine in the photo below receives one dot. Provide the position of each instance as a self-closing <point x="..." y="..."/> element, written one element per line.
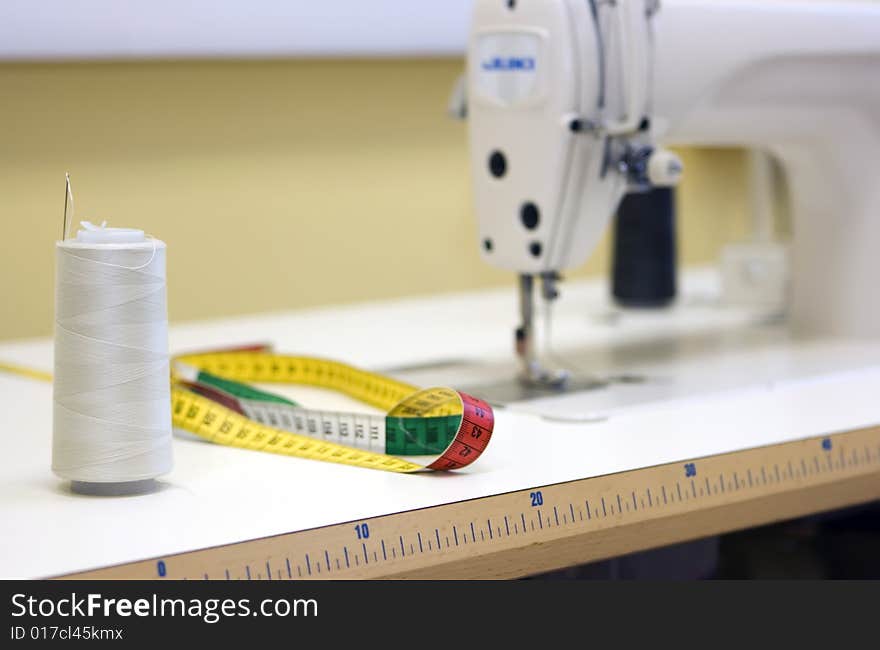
<point x="644" y="253"/>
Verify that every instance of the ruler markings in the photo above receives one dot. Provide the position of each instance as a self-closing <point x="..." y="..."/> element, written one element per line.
<point x="850" y="460"/>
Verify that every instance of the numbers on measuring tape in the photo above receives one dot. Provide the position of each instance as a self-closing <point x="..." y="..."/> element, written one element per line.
<point x="690" y="469"/>
<point x="160" y="569"/>
<point x="826" y="444"/>
<point x="362" y="530"/>
<point x="537" y="498"/>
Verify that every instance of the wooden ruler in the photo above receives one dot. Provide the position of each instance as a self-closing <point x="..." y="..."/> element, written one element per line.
<point x="553" y="526"/>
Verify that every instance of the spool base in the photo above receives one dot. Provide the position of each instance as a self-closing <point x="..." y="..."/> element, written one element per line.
<point x="127" y="488"/>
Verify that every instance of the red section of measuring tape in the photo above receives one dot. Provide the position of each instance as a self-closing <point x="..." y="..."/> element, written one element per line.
<point x="477" y="424"/>
<point x="214" y="394"/>
<point x="244" y="347"/>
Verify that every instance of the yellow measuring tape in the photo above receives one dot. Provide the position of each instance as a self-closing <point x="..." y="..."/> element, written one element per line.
<point x="25" y="372"/>
<point x="464" y="422"/>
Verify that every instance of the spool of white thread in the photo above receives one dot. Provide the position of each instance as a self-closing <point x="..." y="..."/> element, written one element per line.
<point x="112" y="402"/>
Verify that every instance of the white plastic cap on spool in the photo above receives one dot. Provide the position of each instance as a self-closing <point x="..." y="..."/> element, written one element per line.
<point x="92" y="234"/>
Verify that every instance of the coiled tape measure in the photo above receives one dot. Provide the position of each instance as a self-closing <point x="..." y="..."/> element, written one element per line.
<point x="211" y="397"/>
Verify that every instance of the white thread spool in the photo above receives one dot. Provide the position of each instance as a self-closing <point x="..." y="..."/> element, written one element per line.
<point x="112" y="402"/>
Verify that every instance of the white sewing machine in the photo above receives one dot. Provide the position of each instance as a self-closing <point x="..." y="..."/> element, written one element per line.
<point x="567" y="98"/>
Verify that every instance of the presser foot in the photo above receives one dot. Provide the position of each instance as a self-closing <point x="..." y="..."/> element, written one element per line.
<point x="536" y="375"/>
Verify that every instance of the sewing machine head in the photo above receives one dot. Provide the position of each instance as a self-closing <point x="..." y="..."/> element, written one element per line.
<point x="559" y="105"/>
<point x="560" y="125"/>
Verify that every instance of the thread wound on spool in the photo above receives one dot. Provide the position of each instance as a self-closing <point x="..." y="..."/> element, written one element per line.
<point x="112" y="403"/>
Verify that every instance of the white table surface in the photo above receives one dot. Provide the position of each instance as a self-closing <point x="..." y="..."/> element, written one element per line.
<point x="715" y="380"/>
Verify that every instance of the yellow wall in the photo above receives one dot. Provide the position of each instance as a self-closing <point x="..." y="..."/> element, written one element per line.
<point x="276" y="184"/>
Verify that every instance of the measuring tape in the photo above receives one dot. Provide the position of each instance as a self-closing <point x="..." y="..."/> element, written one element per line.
<point x="209" y="386"/>
<point x="25" y="372"/>
<point x="211" y="398"/>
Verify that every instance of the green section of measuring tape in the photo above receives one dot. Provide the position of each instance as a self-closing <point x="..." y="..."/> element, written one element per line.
<point x="420" y="436"/>
<point x="240" y="390"/>
<point x="403" y="436"/>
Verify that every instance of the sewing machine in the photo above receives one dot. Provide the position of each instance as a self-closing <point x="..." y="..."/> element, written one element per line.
<point x="568" y="100"/>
